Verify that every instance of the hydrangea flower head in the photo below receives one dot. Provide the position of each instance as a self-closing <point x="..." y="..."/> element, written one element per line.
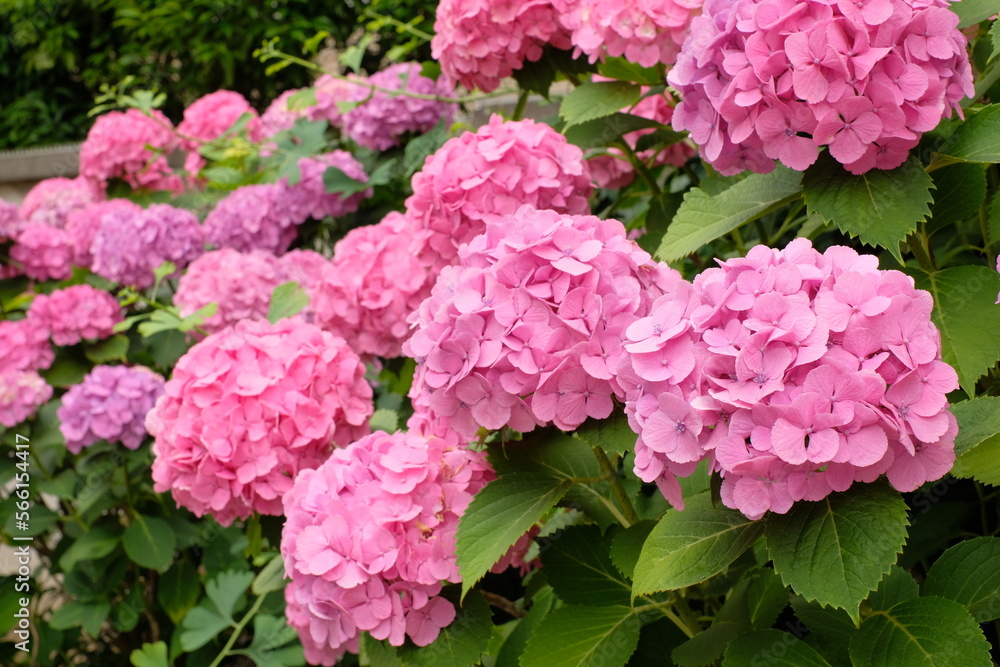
<point x="43" y="252"/>
<point x="479" y="42"/>
<point x="279" y="115"/>
<point x="479" y="177"/>
<point x="25" y="345"/>
<point x="526" y="330"/>
<point x="129" y="245"/>
<point x="763" y="81"/>
<point x="131" y="146"/>
<point x="381" y="120"/>
<point x="22" y="392"/>
<point x="370" y="537"/>
<point x="804" y="373"/>
<point x="308" y="198"/>
<point x="208" y="118"/>
<point x="330" y="93"/>
<point x="251" y="218"/>
<point x="52" y="200"/>
<point x="110" y="404"/>
<point x="249" y="407"/>
<point x="10" y="220"/>
<point x="76" y="313"/>
<point x="83" y="224"/>
<point x="643" y="32"/>
<point x="371" y="287"/>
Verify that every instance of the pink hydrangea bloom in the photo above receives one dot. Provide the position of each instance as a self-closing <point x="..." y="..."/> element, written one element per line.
<point x="252" y="217"/>
<point x="209" y="279"/>
<point x="517" y="553"/>
<point x="248" y="408"/>
<point x="208" y="118"/>
<point x="381" y="120"/>
<point x="21" y="394"/>
<point x="370" y="288"/>
<point x="526" y="330"/>
<point x="110" y="404"/>
<point x="643" y="32"/>
<point x="480" y="177"/>
<point x="279" y="116"/>
<point x="330" y="94"/>
<point x="308" y="198"/>
<point x="76" y="313"/>
<point x="10" y="220"/>
<point x="43" y="252"/>
<point x="479" y="42"/>
<point x="799" y="373"/>
<point x="765" y="80"/>
<point x="131" y="146"/>
<point x="25" y="345"/>
<point x="612" y="169"/>
<point x="52" y="200"/>
<point x="370" y="537"/>
<point x="83" y="224"/>
<point x="129" y="246"/>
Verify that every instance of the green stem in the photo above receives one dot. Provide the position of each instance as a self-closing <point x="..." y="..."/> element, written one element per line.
<point x="416" y="32"/>
<point x="921" y="252"/>
<point x="984" y="229"/>
<point x="631" y="517"/>
<point x="665" y="609"/>
<point x="639" y="167"/>
<point x="237" y="630"/>
<point x="522" y="101"/>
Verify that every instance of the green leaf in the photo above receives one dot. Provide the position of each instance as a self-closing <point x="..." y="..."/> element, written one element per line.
<point x="981" y="463"/>
<point x="836" y="550"/>
<point x="578" y="566"/>
<point x="150" y="655"/>
<point x="510" y="652"/>
<point x="198" y="317"/>
<point x="656" y="641"/>
<point x="179" y="589"/>
<point x="419" y="148"/>
<point x="965" y="294"/>
<point x="830" y="630"/>
<point x="302" y="99"/>
<point x="879" y="207"/>
<point x="384" y="420"/>
<point x="771" y="647"/>
<point x="596" y="99"/>
<point x="688" y="547"/>
<point x="336" y="181"/>
<point x="271" y="577"/>
<point x="974" y="11"/>
<point x="89" y="615"/>
<point x="623" y="70"/>
<point x="995" y="38"/>
<point x="65" y="372"/>
<point x="270" y="636"/>
<point x="601" y="132"/>
<point x="924" y="631"/>
<point x="226" y="589"/>
<point x="993" y="218"/>
<point x="167" y="268"/>
<point x="702" y="218"/>
<point x="707" y="646"/>
<point x="627" y="545"/>
<point x="895" y="587"/>
<point x="969" y="573"/>
<point x="287" y="300"/>
<point x="150" y="542"/>
<point x="584" y="637"/>
<point x="978" y="420"/>
<point x="498" y="515"/>
<point x="766" y="598"/>
<point x="222" y="176"/>
<point x="160" y="320"/>
<point x="109" y="349"/>
<point x="978" y="138"/>
<point x="461" y="643"/>
<point x="959" y="191"/>
<point x="200" y="626"/>
<point x="97" y="543"/>
<point x="613" y="434"/>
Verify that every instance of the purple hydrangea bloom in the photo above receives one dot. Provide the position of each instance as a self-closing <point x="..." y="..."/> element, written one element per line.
<point x="379" y="122"/>
<point x="110" y="404"/>
<point x="309" y="199"/>
<point x="250" y="218"/>
<point x="129" y="246"/>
